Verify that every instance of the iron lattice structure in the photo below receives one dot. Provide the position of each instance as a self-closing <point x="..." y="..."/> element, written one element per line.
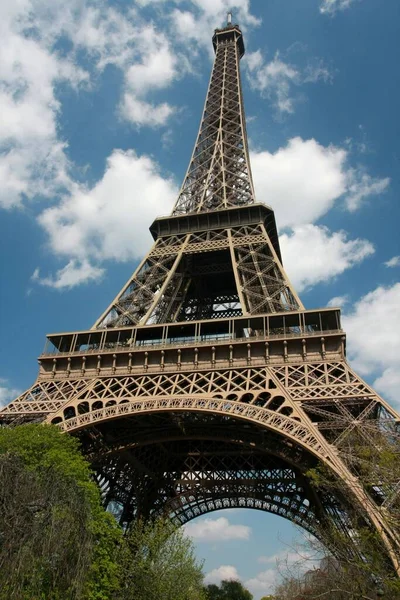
<point x="206" y="383"/>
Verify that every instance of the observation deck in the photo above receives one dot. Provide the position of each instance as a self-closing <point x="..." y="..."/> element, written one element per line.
<point x="235" y="342"/>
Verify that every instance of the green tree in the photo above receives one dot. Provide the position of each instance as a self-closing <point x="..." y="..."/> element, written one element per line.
<point x="375" y="459"/>
<point x="332" y="580"/>
<point x="213" y="592"/>
<point x="228" y="590"/>
<point x="158" y="562"/>
<point x="58" y="543"/>
<point x="56" y="540"/>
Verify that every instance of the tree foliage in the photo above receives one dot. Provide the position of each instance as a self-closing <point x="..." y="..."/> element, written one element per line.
<point x="228" y="590"/>
<point x="158" y="562"/>
<point x="361" y="557"/>
<point x="56" y="540"/>
<point x="334" y="580"/>
<point x="58" y="543"/>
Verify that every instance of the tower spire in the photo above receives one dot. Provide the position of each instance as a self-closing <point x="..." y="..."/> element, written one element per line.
<point x="219" y="174"/>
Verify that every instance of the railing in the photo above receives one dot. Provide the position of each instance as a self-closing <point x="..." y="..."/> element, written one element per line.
<point x="235" y="329"/>
<point x="160" y="345"/>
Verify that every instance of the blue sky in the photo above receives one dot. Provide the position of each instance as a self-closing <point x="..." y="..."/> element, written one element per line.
<point x="99" y="108"/>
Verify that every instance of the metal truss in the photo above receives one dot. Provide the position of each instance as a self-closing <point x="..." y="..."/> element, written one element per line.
<point x="219" y="173"/>
<point x="206" y="384"/>
<point x="309" y="409"/>
<point x="204" y="275"/>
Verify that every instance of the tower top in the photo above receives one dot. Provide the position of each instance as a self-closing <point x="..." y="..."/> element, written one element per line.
<point x="219" y="175"/>
<point x="229" y="33"/>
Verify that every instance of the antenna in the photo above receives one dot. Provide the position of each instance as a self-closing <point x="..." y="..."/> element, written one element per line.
<point x="229" y="18"/>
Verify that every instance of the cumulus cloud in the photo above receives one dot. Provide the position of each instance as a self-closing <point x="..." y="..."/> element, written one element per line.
<point x="215" y="530"/>
<point x="33" y="160"/>
<point x="276" y="78"/>
<point x="101" y="223"/>
<point x="142" y="52"/>
<point x="388" y="384"/>
<point x="265" y="581"/>
<point x="312" y="254"/>
<point x="273" y="79"/>
<point x="198" y="23"/>
<point x="393" y="262"/>
<point x="157" y="69"/>
<point x="304" y="179"/>
<point x="372" y="327"/>
<point x="301" y="181"/>
<point x="361" y="186"/>
<point x="338" y="301"/>
<point x="331" y="7"/>
<point x="222" y="573"/>
<point x="74" y="273"/>
<point x="7" y="392"/>
<point x="87" y="225"/>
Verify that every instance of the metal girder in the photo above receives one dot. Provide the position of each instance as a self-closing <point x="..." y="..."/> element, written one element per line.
<point x="219" y="173"/>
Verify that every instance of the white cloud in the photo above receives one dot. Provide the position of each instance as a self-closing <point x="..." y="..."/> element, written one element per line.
<point x="74" y="273"/>
<point x="224" y="572"/>
<point x="361" y="186"/>
<point x="33" y="161"/>
<point x="265" y="581"/>
<point x="157" y="70"/>
<point x="388" y="384"/>
<point x="312" y="254"/>
<point x="304" y="179"/>
<point x="144" y="113"/>
<point x="302" y="557"/>
<point x="373" y="341"/>
<point x="331" y="7"/>
<point x="198" y="23"/>
<point x="215" y="530"/>
<point x="393" y="262"/>
<point x="317" y="72"/>
<point x="301" y="180"/>
<point x="275" y="79"/>
<point x="142" y="52"/>
<point x="338" y="301"/>
<point x="7" y="393"/>
<point x="95" y="224"/>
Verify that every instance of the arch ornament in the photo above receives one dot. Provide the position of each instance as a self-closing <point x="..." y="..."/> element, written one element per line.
<point x="301" y="432"/>
<point x="291" y="428"/>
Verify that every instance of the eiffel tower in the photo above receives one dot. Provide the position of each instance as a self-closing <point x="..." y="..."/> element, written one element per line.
<point x="206" y="384"/>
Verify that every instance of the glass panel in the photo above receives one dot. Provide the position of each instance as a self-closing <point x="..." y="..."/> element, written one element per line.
<point x="312" y="322"/>
<point x="292" y="323"/>
<point x="329" y="320"/>
<point x="276" y="325"/>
